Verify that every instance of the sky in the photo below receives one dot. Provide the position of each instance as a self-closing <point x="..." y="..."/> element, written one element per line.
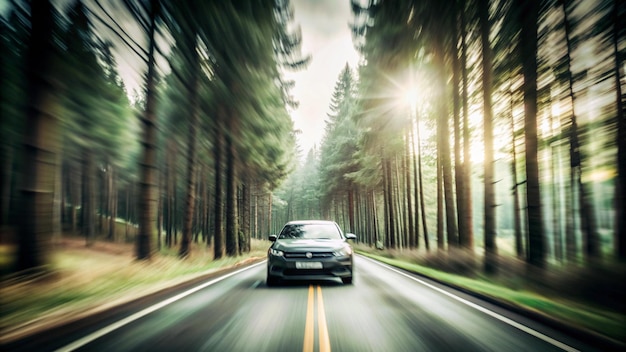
<point x="327" y="37"/>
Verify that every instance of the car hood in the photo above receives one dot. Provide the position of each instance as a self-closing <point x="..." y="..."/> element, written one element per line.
<point x="310" y="245"/>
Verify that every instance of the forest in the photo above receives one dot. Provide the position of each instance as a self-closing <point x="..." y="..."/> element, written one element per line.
<point x="81" y="153"/>
<point x="476" y="129"/>
<point x="490" y="127"/>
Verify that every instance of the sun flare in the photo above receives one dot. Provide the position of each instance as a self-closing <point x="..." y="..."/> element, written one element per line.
<point x="411" y="98"/>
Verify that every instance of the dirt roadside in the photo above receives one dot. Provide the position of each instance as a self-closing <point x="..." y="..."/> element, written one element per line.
<point x="77" y="267"/>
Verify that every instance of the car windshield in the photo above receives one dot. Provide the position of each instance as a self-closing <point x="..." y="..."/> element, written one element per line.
<point x="310" y="231"/>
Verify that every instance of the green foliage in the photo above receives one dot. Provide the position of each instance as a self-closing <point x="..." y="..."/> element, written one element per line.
<point x="97" y="109"/>
<point x="13" y="32"/>
<point x="340" y="143"/>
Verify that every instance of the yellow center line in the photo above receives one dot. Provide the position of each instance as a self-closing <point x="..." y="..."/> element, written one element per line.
<point x="321" y="321"/>
<point x="309" y="325"/>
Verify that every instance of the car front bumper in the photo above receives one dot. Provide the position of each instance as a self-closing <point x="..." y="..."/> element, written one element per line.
<point x="285" y="269"/>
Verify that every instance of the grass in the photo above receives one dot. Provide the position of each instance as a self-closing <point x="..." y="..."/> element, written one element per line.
<point x="82" y="279"/>
<point x="579" y="313"/>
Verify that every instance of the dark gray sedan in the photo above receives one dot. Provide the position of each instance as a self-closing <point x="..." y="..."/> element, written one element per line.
<point x="310" y="250"/>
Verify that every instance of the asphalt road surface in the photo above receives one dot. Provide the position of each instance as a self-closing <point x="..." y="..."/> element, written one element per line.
<point x="384" y="310"/>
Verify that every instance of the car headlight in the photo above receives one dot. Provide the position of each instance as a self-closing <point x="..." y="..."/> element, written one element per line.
<point x="345" y="251"/>
<point x="276" y="253"/>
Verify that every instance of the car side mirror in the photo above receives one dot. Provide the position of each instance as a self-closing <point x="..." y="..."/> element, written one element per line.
<point x="273" y="238"/>
<point x="350" y="236"/>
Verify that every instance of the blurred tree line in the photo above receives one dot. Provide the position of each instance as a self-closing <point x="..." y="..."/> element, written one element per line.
<point x="193" y="157"/>
<point x="511" y="139"/>
<point x="513" y="135"/>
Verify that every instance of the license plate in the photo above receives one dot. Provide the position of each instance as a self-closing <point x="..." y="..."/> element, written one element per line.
<point x="309" y="265"/>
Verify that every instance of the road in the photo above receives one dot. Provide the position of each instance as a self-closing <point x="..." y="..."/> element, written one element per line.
<point x="384" y="310"/>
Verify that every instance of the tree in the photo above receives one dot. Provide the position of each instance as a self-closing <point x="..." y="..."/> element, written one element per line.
<point x="40" y="143"/>
<point x="339" y="145"/>
<point x="182" y="22"/>
<point x="490" y="201"/>
<point x="443" y="145"/>
<point x="587" y="216"/>
<point x="466" y="237"/>
<point x="617" y="14"/>
<point x="528" y="17"/>
<point x="14" y="31"/>
<point x="148" y="182"/>
<point x="92" y="124"/>
<point x="190" y="200"/>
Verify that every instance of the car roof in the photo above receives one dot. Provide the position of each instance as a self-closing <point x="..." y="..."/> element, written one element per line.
<point x="304" y="222"/>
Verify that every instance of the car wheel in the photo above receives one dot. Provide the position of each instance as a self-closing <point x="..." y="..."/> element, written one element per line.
<point x="271" y="280"/>
<point x="347" y="280"/>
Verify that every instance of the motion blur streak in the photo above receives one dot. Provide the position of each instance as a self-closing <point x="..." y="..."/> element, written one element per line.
<point x="308" y="328"/>
<point x="108" y="329"/>
<point x="321" y="321"/>
<point x="503" y="319"/>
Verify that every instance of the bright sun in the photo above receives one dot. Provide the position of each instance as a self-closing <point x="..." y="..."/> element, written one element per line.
<point x="410" y="98"/>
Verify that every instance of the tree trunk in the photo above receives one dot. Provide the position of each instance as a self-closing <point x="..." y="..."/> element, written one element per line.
<point x="57" y="212"/>
<point x="443" y="149"/>
<point x="147" y="198"/>
<point x="206" y="210"/>
<point x="245" y="216"/>
<point x="171" y="192"/>
<point x="490" y="196"/>
<point x="451" y="225"/>
<point x="255" y="210"/>
<point x="112" y="203"/>
<point x="198" y="217"/>
<point x="557" y="238"/>
<point x="399" y="205"/>
<point x="7" y="176"/>
<point x="218" y="206"/>
<point x="351" y="209"/>
<point x="232" y="228"/>
<point x="190" y="200"/>
<point x="587" y="215"/>
<point x="407" y="185"/>
<point x="74" y="180"/>
<point x="620" y="183"/>
<point x="391" y="234"/>
<point x="385" y="240"/>
<point x="88" y="208"/>
<point x="127" y="222"/>
<point x="372" y="211"/>
<point x="269" y="212"/>
<point x="101" y="194"/>
<point x="440" y="215"/>
<point x="467" y="162"/>
<point x="416" y="231"/>
<point x="421" y="184"/>
<point x="519" y="244"/>
<point x="458" y="164"/>
<point x="66" y="188"/>
<point x="529" y="14"/>
<point x="40" y="144"/>
<point x="161" y="204"/>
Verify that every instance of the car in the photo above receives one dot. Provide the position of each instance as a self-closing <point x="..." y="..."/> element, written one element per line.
<point x="310" y="250"/>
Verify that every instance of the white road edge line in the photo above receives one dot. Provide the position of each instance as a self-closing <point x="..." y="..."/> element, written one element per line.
<point x="131" y="318"/>
<point x="503" y="319"/>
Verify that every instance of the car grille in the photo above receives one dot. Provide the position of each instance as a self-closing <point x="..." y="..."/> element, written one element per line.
<point x="301" y="272"/>
<point x="297" y="255"/>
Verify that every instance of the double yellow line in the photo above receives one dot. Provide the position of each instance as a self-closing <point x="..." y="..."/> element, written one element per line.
<point x="309" y="327"/>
